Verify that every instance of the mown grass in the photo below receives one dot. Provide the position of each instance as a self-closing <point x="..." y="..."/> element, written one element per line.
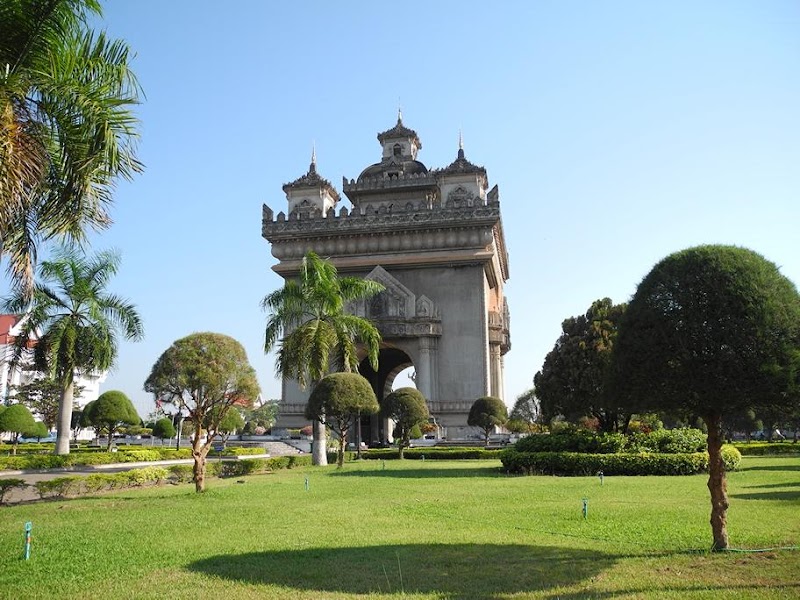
<point x="412" y="530"/>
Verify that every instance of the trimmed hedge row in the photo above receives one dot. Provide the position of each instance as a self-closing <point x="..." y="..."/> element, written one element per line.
<point x="430" y="453"/>
<point x="767" y="448"/>
<point x="663" y="441"/>
<point x="576" y="463"/>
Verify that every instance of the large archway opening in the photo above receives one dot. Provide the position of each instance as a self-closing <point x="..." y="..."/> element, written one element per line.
<point x="394" y="366"/>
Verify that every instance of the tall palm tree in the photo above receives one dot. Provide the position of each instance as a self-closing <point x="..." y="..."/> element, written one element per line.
<point x="67" y="132"/>
<point x="72" y="323"/>
<point x="314" y="334"/>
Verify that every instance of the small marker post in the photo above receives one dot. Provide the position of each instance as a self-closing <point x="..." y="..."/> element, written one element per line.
<point x="585" y="508"/>
<point x="383" y="462"/>
<point x="306" y="483"/>
<point x="423" y="458"/>
<point x="28" y="528"/>
<point x="600" y="475"/>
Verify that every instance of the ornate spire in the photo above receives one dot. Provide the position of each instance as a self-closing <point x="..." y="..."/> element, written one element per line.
<point x="313" y="167"/>
<point x="460" y="144"/>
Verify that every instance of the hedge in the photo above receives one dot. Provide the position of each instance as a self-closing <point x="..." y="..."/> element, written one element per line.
<point x="6" y="485"/>
<point x="431" y="453"/>
<point x="577" y="463"/>
<point x="663" y="441"/>
<point x="767" y="448"/>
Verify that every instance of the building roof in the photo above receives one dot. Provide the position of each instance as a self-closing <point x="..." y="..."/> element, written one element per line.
<point x="461" y="166"/>
<point x="7" y="322"/>
<point x="400" y="131"/>
<point x="312" y="179"/>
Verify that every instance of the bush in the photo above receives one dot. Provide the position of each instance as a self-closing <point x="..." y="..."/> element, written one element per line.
<point x="568" y="440"/>
<point x="668" y="441"/>
<point x="731" y="457"/>
<point x="238" y="451"/>
<point x="766" y="448"/>
<point x="433" y="453"/>
<point x="7" y="485"/>
<point x="60" y="487"/>
<point x="575" y="463"/>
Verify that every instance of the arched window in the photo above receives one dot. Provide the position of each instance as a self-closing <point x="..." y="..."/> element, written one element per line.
<point x="397" y="150"/>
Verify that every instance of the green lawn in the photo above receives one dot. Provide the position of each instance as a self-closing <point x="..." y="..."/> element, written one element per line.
<point x="414" y="530"/>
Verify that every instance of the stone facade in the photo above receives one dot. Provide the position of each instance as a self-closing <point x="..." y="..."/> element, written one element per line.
<point x="434" y="239"/>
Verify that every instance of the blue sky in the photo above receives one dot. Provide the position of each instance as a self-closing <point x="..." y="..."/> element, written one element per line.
<point x="618" y="132"/>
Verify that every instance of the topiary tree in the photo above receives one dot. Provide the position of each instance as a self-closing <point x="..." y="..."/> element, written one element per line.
<point x="336" y="400"/>
<point x="39" y="431"/>
<point x="16" y="420"/>
<point x="487" y="413"/>
<point x="713" y="331"/>
<point x="408" y="409"/>
<point x="163" y="428"/>
<point x="111" y="411"/>
<point x="204" y="375"/>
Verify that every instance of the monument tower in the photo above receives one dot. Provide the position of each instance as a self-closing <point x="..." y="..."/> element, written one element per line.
<point x="434" y="239"/>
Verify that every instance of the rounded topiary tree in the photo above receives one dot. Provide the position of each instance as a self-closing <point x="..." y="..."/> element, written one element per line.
<point x="164" y="428"/>
<point x="337" y="400"/>
<point x="408" y="409"/>
<point x="715" y="331"/>
<point x="487" y="413"/>
<point x="111" y="411"/>
<point x="16" y="420"/>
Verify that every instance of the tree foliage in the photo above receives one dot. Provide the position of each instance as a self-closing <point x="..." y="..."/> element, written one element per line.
<point x="314" y="335"/>
<point x="73" y="324"/>
<point x="713" y="330"/>
<point x="525" y="414"/>
<point x="111" y="411"/>
<point x="572" y="380"/>
<point x="204" y="375"/>
<point x="407" y="408"/>
<point x="42" y="397"/>
<point x="163" y="428"/>
<point x="230" y="423"/>
<point x="67" y="130"/>
<point x="337" y="399"/>
<point x="18" y="421"/>
<point x="487" y="413"/>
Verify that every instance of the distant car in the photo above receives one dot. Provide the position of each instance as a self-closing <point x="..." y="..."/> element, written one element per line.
<point x="48" y="439"/>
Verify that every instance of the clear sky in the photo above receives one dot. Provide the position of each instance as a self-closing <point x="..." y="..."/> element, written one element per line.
<point x="618" y="132"/>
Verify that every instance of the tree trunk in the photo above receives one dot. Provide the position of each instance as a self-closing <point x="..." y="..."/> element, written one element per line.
<point x="401" y="445"/>
<point x="64" y="418"/>
<point x="199" y="452"/>
<point x="717" y="484"/>
<point x="342" y="444"/>
<point x="319" y="452"/>
<point x="110" y="439"/>
<point x="358" y="436"/>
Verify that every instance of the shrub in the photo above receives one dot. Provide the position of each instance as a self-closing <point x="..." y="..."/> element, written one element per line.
<point x="668" y="441"/>
<point x="766" y="448"/>
<point x="574" y="463"/>
<point x="569" y="440"/>
<point x="7" y="485"/>
<point x="731" y="457"/>
<point x="60" y="487"/>
<point x="433" y="453"/>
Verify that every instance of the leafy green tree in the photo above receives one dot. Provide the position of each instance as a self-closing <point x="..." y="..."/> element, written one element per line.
<point x="204" y="375"/>
<point x="337" y="400"/>
<point x="408" y="409"/>
<point x="712" y="330"/>
<point x="163" y="428"/>
<point x="42" y="396"/>
<point x="77" y="323"/>
<point x="263" y="415"/>
<point x="746" y="422"/>
<point x="572" y="380"/>
<point x="67" y="130"/>
<point x="39" y="431"/>
<point x="487" y="413"/>
<point x="111" y="411"/>
<point x="17" y="420"/>
<point x="314" y="335"/>
<point x="525" y="412"/>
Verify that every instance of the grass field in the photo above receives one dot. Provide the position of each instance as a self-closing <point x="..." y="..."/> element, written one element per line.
<point x="414" y="530"/>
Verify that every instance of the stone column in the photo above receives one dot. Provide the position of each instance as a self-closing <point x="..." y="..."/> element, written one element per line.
<point x="496" y="371"/>
<point x="423" y="369"/>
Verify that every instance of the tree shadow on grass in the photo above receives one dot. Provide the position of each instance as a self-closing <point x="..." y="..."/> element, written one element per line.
<point x="422" y="472"/>
<point x="724" y="591"/>
<point x="791" y="496"/>
<point x="452" y="570"/>
<point x="772" y="468"/>
<point x="786" y="484"/>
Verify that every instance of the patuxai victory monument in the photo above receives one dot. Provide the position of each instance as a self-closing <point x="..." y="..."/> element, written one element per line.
<point x="434" y="239"/>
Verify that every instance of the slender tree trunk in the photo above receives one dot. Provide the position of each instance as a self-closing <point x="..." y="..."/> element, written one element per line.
<point x="64" y="418"/>
<point x="199" y="452"/>
<point x="358" y="435"/>
<point x="342" y="444"/>
<point x="717" y="483"/>
<point x="401" y="447"/>
<point x="110" y="438"/>
<point x="319" y="452"/>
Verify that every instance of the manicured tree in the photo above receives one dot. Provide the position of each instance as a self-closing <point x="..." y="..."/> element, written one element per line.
<point x="714" y="331"/>
<point x="39" y="431"/>
<point x="314" y="335"/>
<point x="204" y="375"/>
<point x="67" y="130"/>
<point x="111" y="411"/>
<point x="336" y="400"/>
<point x="486" y="413"/>
<point x="77" y="323"/>
<point x="17" y="420"/>
<point x="408" y="409"/>
<point x="571" y="382"/>
<point x="163" y="428"/>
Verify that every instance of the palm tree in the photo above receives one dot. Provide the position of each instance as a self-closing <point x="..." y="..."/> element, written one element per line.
<point x="67" y="132"/>
<point x="315" y="336"/>
<point x="72" y="323"/>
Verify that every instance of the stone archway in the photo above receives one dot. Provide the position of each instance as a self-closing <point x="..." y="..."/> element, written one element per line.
<point x="375" y="429"/>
